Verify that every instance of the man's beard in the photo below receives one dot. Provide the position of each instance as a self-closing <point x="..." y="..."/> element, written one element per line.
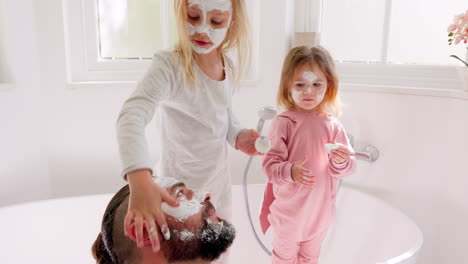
<point x="207" y="242"/>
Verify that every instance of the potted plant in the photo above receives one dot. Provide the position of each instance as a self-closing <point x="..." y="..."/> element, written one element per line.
<point x="458" y="33"/>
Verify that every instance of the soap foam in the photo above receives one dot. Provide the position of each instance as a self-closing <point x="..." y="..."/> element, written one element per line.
<point x="184" y="210"/>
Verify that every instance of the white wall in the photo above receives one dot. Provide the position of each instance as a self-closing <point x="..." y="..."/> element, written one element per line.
<point x="23" y="165"/>
<point x="423" y="142"/>
<point x="58" y="140"/>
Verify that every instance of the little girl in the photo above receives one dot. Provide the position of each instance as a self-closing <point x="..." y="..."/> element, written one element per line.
<point x="191" y="87"/>
<point x="299" y="200"/>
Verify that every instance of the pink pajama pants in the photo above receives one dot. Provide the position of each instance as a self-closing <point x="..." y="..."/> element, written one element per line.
<point x="288" y="251"/>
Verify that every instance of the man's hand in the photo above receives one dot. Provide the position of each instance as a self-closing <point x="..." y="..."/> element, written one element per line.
<point x="245" y="142"/>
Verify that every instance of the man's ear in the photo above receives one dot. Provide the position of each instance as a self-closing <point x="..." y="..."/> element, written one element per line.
<point x="132" y="235"/>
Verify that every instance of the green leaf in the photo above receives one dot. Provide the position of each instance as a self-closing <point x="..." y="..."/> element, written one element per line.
<point x="456" y="57"/>
<point x="451" y="34"/>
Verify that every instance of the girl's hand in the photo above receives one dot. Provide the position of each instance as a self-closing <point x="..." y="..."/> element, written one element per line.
<point x="302" y="175"/>
<point x="245" y="142"/>
<point x="144" y="208"/>
<point x="341" y="154"/>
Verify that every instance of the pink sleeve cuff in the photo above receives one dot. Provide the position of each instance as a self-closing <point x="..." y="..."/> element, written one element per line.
<point x="286" y="173"/>
<point x="342" y="170"/>
<point x="339" y="165"/>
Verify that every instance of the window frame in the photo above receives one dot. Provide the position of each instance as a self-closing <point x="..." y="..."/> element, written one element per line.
<point x="443" y="77"/>
<point x="82" y="47"/>
<point x="7" y="82"/>
<point x="399" y="75"/>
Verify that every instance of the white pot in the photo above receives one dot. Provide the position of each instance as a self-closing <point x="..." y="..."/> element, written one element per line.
<point x="463" y="75"/>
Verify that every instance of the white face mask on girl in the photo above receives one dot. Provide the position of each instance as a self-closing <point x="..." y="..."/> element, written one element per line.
<point x="309" y="93"/>
<point x="216" y="36"/>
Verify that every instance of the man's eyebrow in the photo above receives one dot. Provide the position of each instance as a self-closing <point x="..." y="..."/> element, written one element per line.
<point x="180" y="184"/>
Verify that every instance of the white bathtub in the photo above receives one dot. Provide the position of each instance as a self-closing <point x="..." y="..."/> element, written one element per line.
<point x="367" y="231"/>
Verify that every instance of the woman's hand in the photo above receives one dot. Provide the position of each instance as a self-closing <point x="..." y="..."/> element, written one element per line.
<point x="245" y="142"/>
<point x="144" y="208"/>
<point x="302" y="175"/>
<point x="341" y="154"/>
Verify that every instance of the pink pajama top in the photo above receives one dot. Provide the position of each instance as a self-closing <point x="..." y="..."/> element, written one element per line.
<point x="302" y="210"/>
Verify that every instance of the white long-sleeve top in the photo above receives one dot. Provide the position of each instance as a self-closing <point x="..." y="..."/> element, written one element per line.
<point x="195" y="124"/>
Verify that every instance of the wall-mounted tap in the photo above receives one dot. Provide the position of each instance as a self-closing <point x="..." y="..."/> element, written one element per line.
<point x="368" y="152"/>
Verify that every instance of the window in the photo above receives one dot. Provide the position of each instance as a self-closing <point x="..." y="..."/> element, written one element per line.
<point x="114" y="40"/>
<point x="6" y="75"/>
<point x="134" y="29"/>
<point x="393" y="42"/>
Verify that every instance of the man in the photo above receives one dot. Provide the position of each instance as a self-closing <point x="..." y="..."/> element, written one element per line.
<point x="197" y="234"/>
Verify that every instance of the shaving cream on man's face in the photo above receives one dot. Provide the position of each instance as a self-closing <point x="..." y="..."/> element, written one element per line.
<point x="216" y="36"/>
<point x="186" y="209"/>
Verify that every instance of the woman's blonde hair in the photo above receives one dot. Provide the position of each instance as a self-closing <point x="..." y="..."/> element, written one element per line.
<point x="308" y="56"/>
<point x="237" y="36"/>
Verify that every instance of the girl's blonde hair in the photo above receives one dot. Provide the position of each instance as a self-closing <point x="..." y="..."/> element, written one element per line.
<point x="308" y="56"/>
<point x="237" y="36"/>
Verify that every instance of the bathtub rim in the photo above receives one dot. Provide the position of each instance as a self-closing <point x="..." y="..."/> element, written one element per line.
<point x="412" y="252"/>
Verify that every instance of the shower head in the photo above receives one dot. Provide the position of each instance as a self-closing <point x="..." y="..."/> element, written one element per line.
<point x="267" y="113"/>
